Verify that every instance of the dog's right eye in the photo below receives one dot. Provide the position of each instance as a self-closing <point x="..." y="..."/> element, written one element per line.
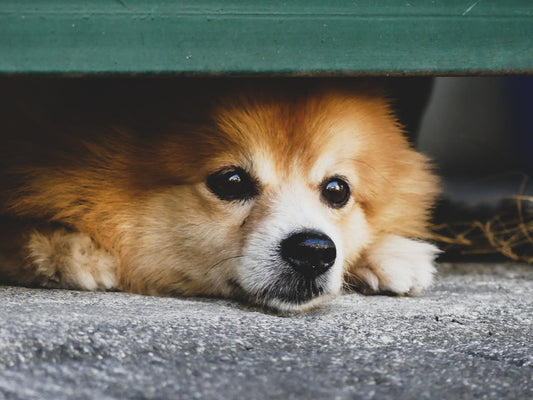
<point x="232" y="183"/>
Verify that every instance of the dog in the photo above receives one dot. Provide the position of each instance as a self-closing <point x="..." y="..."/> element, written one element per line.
<point x="279" y="193"/>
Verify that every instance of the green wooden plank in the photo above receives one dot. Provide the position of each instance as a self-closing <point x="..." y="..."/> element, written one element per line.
<point x="274" y="7"/>
<point x="247" y="37"/>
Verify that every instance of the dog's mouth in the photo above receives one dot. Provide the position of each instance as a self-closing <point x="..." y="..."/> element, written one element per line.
<point x="292" y="290"/>
<point x="287" y="293"/>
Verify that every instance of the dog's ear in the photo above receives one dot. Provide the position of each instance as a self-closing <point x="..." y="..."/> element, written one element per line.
<point x="408" y="96"/>
<point x="397" y="186"/>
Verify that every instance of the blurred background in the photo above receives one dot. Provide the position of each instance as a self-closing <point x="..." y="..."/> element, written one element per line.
<point x="479" y="131"/>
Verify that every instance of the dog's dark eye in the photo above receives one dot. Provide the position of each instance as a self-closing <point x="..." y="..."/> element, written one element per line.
<point x="232" y="184"/>
<point x="335" y="192"/>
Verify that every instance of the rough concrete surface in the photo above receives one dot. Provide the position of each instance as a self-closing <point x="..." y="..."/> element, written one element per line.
<point x="470" y="337"/>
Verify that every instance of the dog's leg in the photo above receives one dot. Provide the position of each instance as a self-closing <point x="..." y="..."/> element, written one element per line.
<point x="396" y="265"/>
<point x="53" y="257"/>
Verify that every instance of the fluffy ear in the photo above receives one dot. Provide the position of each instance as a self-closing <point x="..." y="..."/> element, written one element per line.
<point x="397" y="187"/>
<point x="395" y="264"/>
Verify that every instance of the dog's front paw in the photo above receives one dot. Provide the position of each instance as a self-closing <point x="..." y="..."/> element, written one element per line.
<point x="70" y="260"/>
<point x="396" y="265"/>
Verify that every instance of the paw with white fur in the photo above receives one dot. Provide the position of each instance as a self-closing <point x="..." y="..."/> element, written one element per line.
<point x="395" y="264"/>
<point x="70" y="260"/>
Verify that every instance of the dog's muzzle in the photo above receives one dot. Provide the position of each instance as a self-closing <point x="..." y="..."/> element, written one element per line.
<point x="302" y="267"/>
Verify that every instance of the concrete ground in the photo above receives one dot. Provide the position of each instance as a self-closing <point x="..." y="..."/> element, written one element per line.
<point x="471" y="337"/>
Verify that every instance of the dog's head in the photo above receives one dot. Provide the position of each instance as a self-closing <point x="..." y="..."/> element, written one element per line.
<point x="278" y="193"/>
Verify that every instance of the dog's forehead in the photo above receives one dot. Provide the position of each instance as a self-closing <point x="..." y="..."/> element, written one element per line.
<point x="335" y="157"/>
<point x="311" y="139"/>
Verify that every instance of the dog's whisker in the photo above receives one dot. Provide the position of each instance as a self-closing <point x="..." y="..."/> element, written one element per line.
<point x="356" y="279"/>
<point x="218" y="263"/>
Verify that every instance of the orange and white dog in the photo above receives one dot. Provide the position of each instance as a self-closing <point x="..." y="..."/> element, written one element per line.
<point x="279" y="193"/>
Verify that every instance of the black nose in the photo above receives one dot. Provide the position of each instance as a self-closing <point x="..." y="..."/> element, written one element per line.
<point x="308" y="252"/>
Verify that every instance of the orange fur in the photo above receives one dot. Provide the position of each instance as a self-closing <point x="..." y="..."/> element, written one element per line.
<point x="141" y="194"/>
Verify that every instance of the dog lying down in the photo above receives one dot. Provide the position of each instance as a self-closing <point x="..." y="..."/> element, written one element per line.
<point x="278" y="193"/>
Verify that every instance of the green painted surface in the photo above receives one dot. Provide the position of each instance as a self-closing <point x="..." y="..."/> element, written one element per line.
<point x="336" y="36"/>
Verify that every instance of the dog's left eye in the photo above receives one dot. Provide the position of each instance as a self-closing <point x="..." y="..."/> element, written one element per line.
<point x="232" y="184"/>
<point x="335" y="192"/>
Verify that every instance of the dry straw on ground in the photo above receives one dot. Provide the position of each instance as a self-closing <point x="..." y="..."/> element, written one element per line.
<point x="508" y="231"/>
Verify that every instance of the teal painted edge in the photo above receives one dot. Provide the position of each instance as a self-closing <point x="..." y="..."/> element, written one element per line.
<point x="262" y="43"/>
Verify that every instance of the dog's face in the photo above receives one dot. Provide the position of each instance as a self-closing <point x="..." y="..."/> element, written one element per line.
<point x="277" y="196"/>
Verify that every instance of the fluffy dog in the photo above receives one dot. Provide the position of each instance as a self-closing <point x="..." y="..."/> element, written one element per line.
<point x="279" y="193"/>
